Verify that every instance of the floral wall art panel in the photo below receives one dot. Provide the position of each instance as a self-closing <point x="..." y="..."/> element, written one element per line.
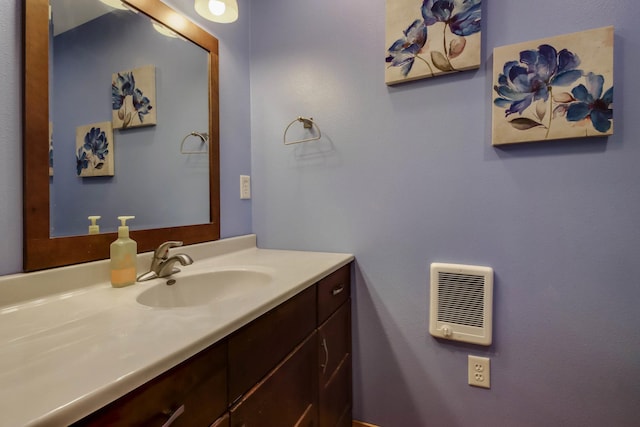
<point x="555" y="88"/>
<point x="431" y="37"/>
<point x="133" y="97"/>
<point x="94" y="150"/>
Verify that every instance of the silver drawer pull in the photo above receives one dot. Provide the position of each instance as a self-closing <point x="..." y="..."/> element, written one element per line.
<point x="326" y="355"/>
<point x="174" y="416"/>
<point x="338" y="289"/>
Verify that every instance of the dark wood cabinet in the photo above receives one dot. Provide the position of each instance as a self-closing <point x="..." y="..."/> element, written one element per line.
<point x="291" y="367"/>
<point x="312" y="386"/>
<point x="334" y="373"/>
<point x="255" y="349"/>
<point x="334" y="350"/>
<point x="286" y="397"/>
<point x="223" y="421"/>
<point x="194" y="392"/>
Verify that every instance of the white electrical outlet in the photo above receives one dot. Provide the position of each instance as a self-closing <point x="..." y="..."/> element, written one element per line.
<point x="245" y="187"/>
<point x="479" y="371"/>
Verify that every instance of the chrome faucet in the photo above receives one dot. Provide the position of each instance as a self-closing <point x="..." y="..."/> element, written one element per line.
<point x="162" y="265"/>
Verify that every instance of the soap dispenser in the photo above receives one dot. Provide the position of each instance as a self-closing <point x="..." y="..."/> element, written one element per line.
<point x="123" y="256"/>
<point x="94" y="228"/>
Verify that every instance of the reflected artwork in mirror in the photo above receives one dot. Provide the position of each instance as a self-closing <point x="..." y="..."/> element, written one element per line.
<point x="154" y="70"/>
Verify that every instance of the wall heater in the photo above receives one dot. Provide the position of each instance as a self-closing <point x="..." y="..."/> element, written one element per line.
<point x="461" y="303"/>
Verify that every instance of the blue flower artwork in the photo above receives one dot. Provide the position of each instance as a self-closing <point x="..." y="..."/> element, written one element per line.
<point x="94" y="150"/>
<point x="554" y="88"/>
<point x="133" y="97"/>
<point x="426" y="38"/>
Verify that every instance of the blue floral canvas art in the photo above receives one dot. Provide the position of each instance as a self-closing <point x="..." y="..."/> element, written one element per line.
<point x="133" y="97"/>
<point x="94" y="150"/>
<point x="427" y="38"/>
<point x="555" y="88"/>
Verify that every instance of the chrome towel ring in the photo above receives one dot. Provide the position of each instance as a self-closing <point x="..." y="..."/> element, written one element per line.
<point x="307" y="123"/>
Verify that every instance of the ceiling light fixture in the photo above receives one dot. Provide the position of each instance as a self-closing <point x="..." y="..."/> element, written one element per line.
<point x="222" y="11"/>
<point x="165" y="31"/>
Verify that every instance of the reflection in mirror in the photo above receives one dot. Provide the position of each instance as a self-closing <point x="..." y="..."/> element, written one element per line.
<point x="131" y="163"/>
<point x="149" y="175"/>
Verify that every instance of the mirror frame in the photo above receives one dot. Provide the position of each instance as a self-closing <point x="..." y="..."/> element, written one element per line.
<point x="41" y="251"/>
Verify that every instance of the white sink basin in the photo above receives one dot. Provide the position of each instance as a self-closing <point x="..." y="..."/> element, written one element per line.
<point x="204" y="288"/>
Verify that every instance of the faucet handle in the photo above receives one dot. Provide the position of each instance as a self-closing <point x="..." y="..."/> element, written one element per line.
<point x="163" y="250"/>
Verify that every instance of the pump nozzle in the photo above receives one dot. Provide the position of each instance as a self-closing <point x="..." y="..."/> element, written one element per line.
<point x="123" y="230"/>
<point x="123" y="220"/>
<point x="94" y="228"/>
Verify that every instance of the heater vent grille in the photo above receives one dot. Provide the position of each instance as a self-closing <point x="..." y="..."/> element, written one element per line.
<point x="461" y="299"/>
<point x="461" y="303"/>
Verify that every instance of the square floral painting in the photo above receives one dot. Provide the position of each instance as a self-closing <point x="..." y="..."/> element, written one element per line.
<point x="94" y="150"/>
<point x="133" y="97"/>
<point x="555" y="88"/>
<point x="431" y="37"/>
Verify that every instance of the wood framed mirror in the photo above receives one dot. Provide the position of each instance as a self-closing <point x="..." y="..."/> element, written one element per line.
<point x="42" y="251"/>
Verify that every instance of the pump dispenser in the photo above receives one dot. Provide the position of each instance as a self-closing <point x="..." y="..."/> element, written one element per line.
<point x="94" y="228"/>
<point x="123" y="256"/>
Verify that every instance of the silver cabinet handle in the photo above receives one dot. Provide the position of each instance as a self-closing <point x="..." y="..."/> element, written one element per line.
<point x="174" y="416"/>
<point x="338" y="289"/>
<point x="326" y="355"/>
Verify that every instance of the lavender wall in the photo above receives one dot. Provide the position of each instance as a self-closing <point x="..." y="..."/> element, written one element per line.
<point x="406" y="176"/>
<point x="235" y="134"/>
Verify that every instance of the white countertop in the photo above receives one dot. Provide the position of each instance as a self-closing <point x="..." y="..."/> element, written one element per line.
<point x="65" y="354"/>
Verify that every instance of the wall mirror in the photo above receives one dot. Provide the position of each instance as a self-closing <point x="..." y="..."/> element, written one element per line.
<point x="111" y="156"/>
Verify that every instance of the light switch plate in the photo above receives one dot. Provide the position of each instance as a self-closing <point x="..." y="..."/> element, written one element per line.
<point x="245" y="187"/>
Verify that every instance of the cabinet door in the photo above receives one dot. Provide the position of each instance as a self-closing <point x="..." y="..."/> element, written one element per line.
<point x="194" y="391"/>
<point x="287" y="397"/>
<point x="223" y="421"/>
<point x="334" y="368"/>
<point x="256" y="348"/>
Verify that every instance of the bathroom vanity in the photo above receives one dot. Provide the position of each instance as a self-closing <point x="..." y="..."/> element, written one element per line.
<point x="279" y="354"/>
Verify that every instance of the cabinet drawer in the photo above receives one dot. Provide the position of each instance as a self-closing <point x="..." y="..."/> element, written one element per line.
<point x="199" y="384"/>
<point x="287" y="397"/>
<point x="256" y="348"/>
<point x="333" y="291"/>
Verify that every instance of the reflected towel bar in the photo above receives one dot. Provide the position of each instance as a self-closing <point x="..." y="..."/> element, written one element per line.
<point x="204" y="138"/>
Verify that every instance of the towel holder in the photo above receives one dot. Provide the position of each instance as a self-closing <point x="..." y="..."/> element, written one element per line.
<point x="204" y="138"/>
<point x="307" y="123"/>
